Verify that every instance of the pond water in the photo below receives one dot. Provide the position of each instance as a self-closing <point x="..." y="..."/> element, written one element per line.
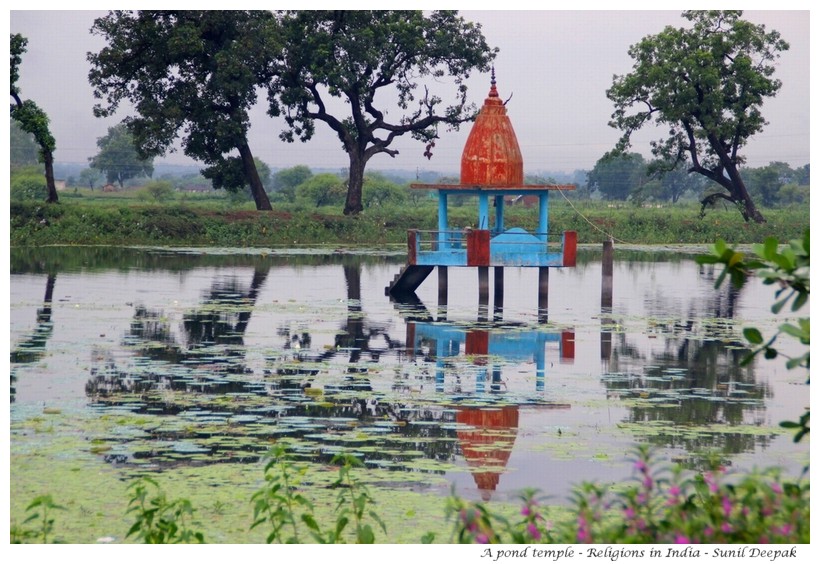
<point x="222" y="352"/>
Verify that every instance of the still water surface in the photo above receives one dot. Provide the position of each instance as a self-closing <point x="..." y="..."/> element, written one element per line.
<point x="226" y="351"/>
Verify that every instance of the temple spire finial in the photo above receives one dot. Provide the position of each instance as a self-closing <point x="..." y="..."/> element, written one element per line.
<point x="493" y="90"/>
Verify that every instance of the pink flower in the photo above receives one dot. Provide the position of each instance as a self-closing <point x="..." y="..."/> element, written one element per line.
<point x="482" y="538"/>
<point x="533" y="531"/>
<point x="583" y="533"/>
<point x="629" y="513"/>
<point x="525" y="511"/>
<point x="674" y="490"/>
<point x="727" y="506"/>
<point x="785" y="530"/>
<point x="681" y="539"/>
<point x="726" y="528"/>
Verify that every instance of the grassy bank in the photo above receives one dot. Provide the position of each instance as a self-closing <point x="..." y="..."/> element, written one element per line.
<point x="83" y="221"/>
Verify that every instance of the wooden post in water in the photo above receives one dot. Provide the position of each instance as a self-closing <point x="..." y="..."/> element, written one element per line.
<point x="442" y="286"/>
<point x="543" y="293"/>
<point x="606" y="303"/>
<point x="498" y="288"/>
<point x="483" y="291"/>
<point x="606" y="275"/>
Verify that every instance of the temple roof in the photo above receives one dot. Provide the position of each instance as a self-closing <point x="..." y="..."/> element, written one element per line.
<point x="491" y="160"/>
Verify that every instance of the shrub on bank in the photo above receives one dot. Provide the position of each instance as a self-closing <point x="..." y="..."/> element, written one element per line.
<point x="80" y="222"/>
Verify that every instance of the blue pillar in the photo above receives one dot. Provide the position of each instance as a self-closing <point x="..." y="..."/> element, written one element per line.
<point x="442" y="220"/>
<point x="483" y="211"/>
<point x="480" y="379"/>
<point x="543" y="210"/>
<point x="499" y="214"/>
<point x="441" y="354"/>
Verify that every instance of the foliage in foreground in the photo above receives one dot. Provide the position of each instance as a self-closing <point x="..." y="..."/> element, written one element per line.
<point x="287" y="511"/>
<point x="660" y="505"/>
<point x="159" y="520"/>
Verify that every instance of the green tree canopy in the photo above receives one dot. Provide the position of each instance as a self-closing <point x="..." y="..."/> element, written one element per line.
<point x="28" y="183"/>
<point x="765" y="182"/>
<point x="190" y="74"/>
<point x="323" y="189"/>
<point x="615" y="176"/>
<point x="31" y="118"/>
<point x="286" y="180"/>
<point x="380" y="191"/>
<point x="704" y="85"/>
<point x="671" y="185"/>
<point x="23" y="148"/>
<point x="366" y="58"/>
<point x="118" y="157"/>
<point x="90" y="176"/>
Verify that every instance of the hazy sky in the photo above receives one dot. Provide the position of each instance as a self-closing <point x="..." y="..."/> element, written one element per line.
<point x="556" y="65"/>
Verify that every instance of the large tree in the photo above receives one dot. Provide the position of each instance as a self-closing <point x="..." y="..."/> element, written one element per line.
<point x="31" y="118"/>
<point x="617" y="175"/>
<point x="118" y="157"/>
<point x="189" y="74"/>
<point x="374" y="62"/>
<point x="704" y="85"/>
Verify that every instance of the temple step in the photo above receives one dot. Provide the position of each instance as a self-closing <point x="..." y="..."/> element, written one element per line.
<point x="407" y="280"/>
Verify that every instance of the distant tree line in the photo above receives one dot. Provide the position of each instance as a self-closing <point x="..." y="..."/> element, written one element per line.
<point x="629" y="177"/>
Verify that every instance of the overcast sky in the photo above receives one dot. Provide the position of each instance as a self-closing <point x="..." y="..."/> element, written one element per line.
<point x="556" y="65"/>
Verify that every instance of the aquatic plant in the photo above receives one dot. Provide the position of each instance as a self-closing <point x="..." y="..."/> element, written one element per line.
<point x="159" y="520"/>
<point x="278" y="503"/>
<point x="41" y="508"/>
<point x="281" y="505"/>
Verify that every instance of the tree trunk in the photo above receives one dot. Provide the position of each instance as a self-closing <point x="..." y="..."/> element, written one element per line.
<point x="48" y="159"/>
<point x="736" y="186"/>
<point x="741" y="195"/>
<point x="353" y="203"/>
<point x="252" y="175"/>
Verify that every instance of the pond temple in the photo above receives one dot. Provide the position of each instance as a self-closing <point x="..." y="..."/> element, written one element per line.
<point x="493" y="170"/>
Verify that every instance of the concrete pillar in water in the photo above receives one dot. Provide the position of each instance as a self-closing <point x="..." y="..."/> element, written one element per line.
<point x="543" y="293"/>
<point x="606" y="275"/>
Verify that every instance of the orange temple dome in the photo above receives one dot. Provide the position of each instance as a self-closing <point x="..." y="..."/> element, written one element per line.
<point x="491" y="155"/>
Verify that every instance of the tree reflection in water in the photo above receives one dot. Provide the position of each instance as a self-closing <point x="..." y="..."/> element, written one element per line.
<point x="399" y="400"/>
<point x="33" y="347"/>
